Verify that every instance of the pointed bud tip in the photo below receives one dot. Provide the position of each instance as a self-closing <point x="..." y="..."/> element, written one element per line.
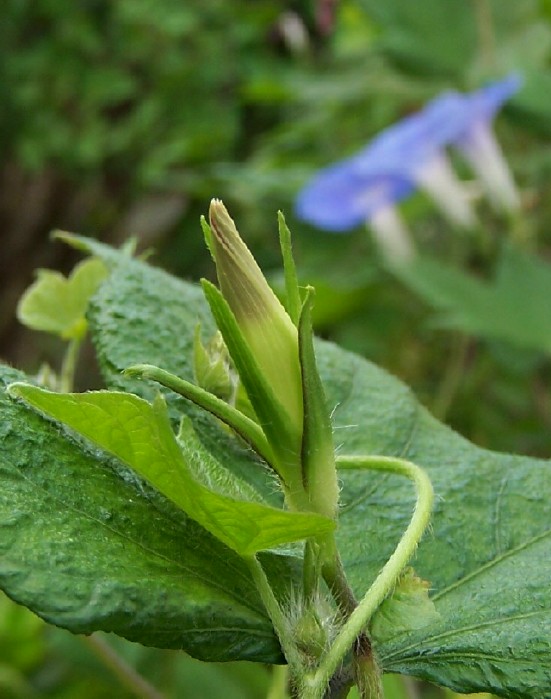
<point x="217" y="208"/>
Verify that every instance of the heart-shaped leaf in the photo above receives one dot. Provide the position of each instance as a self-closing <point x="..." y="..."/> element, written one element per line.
<point x="487" y="556"/>
<point x="58" y="305"/>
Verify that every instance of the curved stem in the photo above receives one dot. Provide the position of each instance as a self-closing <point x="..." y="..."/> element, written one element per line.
<point x="277" y="617"/>
<point x="316" y="682"/>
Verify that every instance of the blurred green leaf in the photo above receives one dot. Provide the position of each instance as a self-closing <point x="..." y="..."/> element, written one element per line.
<point x="56" y="304"/>
<point x="418" y="34"/>
<point x="512" y="307"/>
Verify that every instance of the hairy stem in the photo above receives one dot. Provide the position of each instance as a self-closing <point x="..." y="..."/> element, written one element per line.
<point x="334" y="576"/>
<point x="276" y="615"/>
<point x="352" y="631"/>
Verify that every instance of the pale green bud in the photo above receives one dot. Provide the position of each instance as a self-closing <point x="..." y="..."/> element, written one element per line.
<point x="268" y="330"/>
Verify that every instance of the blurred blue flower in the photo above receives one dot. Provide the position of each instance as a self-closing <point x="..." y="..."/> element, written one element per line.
<point x="411" y="154"/>
<point x="479" y="146"/>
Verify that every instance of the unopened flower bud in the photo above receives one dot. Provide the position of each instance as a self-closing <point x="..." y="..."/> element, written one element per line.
<point x="268" y="330"/>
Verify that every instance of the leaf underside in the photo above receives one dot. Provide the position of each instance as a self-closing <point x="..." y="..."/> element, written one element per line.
<point x="88" y="545"/>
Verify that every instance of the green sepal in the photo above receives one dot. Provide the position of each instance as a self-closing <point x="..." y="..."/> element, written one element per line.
<point x="242" y="425"/>
<point x="272" y="416"/>
<point x="293" y="305"/>
<point x="319" y="472"/>
<point x="57" y="304"/>
<point x="140" y="435"/>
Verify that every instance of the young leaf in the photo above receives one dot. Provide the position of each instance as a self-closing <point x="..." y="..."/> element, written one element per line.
<point x="140" y="435"/>
<point x="56" y="304"/>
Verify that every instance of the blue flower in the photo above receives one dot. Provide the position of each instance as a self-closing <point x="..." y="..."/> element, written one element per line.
<point x="478" y="145"/>
<point x="412" y="154"/>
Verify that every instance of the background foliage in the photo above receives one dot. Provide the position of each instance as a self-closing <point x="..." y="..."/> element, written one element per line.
<point x="125" y="118"/>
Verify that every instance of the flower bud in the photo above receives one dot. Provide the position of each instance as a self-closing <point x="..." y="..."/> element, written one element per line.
<point x="268" y="330"/>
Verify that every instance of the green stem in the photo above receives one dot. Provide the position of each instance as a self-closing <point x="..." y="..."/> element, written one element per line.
<point x="316" y="682"/>
<point x="486" y="36"/>
<point x="280" y="681"/>
<point x="452" y="376"/>
<point x="126" y="674"/>
<point x="68" y="366"/>
<point x="334" y="576"/>
<point x="277" y="617"/>
<point x="246" y="428"/>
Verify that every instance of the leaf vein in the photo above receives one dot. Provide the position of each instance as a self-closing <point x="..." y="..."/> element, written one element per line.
<point x="490" y="564"/>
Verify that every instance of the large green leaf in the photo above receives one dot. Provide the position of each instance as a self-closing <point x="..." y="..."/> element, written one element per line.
<point x="487" y="556"/>
<point x="417" y="34"/>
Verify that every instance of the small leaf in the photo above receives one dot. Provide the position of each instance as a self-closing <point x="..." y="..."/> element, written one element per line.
<point x="408" y="608"/>
<point x="140" y="435"/>
<point x="56" y="304"/>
